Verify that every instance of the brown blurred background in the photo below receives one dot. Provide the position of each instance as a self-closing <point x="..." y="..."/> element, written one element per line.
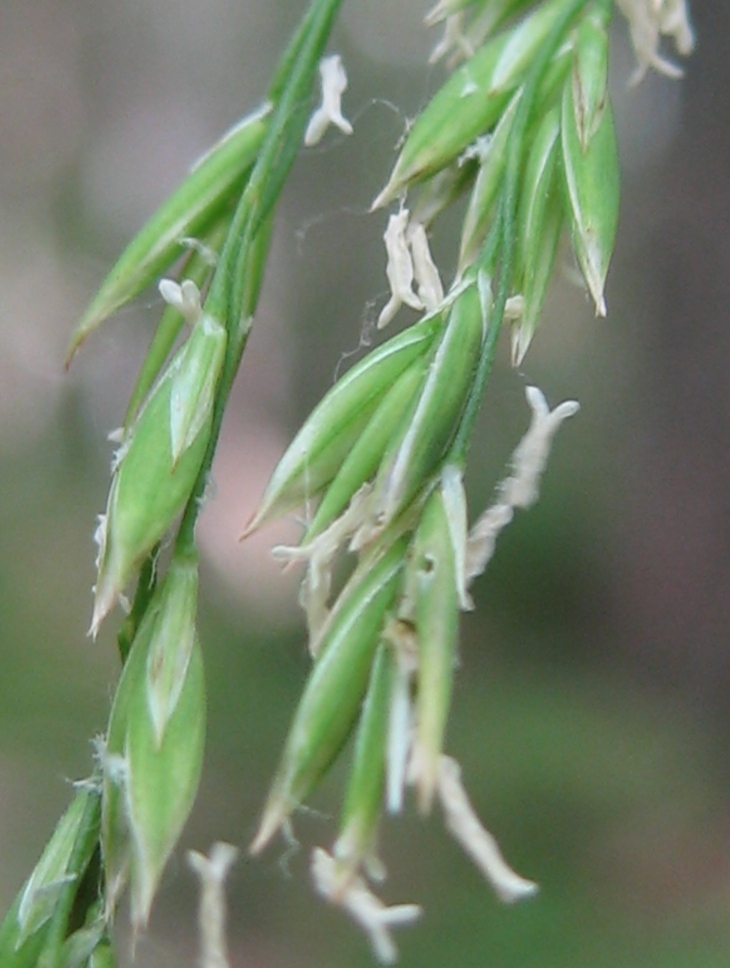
<point x="591" y="716"/>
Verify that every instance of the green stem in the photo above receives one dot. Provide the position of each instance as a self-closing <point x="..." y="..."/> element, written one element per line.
<point x="232" y="297"/>
<point x="505" y="230"/>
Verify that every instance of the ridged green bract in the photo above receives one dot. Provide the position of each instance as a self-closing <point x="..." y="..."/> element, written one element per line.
<point x="590" y="72"/>
<point x="480" y="210"/>
<point x="317" y="452"/>
<point x="334" y="691"/>
<point x="539" y="221"/>
<point x="153" y="749"/>
<point x="30" y="932"/>
<point x="591" y="179"/>
<point x="160" y="461"/>
<point x="115" y="843"/>
<point x="196" y="268"/>
<point x="471" y="101"/>
<point x="162" y="780"/>
<point x="172" y="642"/>
<point x="191" y="211"/>
<point x="417" y="451"/>
<point x="364" y="796"/>
<point x="154" y="745"/>
<point x="391" y="416"/>
<point x="432" y="580"/>
<point x="485" y="196"/>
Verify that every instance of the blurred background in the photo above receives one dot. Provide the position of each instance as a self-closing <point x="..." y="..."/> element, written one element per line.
<point x="591" y="715"/>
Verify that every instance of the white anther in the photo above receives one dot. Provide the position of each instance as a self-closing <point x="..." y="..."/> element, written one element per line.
<point x="522" y="487"/>
<point x="463" y="823"/>
<point x="438" y="13"/>
<point x="319" y="554"/>
<point x="401" y="637"/>
<point x="482" y="539"/>
<point x="399" y="739"/>
<point x="184" y="297"/>
<point x="341" y="886"/>
<point x="399" y="269"/>
<point x="212" y="872"/>
<point x="430" y="289"/>
<point x="454" y="497"/>
<point x="514" y="308"/>
<point x="334" y="83"/>
<point x="648" y="21"/>
<point x="453" y="40"/>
